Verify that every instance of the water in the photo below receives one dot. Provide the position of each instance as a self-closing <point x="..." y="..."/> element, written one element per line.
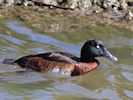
<point x="110" y="81"/>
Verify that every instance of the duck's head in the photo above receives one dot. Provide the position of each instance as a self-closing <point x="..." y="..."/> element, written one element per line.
<point x="95" y="48"/>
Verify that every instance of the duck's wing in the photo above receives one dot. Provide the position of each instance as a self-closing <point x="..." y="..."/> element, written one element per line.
<point x="50" y="56"/>
<point x="60" y="56"/>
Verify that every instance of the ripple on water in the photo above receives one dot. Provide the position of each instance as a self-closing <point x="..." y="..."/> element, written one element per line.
<point x="40" y="94"/>
<point x="36" y="37"/>
<point x="79" y="91"/>
<point x="8" y="96"/>
<point x="128" y="76"/>
<point x="23" y="78"/>
<point x="129" y="93"/>
<point x="111" y="79"/>
<point x="119" y="42"/>
<point x="12" y="39"/>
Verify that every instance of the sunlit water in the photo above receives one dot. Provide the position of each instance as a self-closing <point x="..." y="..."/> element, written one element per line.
<point x="110" y="81"/>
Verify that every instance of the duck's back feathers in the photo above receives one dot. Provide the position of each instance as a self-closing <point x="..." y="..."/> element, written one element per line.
<point x="59" y="57"/>
<point x="50" y="56"/>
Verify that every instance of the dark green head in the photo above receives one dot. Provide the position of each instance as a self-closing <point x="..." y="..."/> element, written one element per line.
<point x="95" y="48"/>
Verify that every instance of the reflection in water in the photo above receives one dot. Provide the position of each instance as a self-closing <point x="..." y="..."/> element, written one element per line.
<point x="111" y="81"/>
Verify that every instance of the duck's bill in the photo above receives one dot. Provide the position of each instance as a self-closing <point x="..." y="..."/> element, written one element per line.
<point x="109" y="56"/>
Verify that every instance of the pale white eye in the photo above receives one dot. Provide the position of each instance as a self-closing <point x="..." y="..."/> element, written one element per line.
<point x="97" y="46"/>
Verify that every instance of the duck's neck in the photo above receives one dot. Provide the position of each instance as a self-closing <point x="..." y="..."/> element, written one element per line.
<point x="85" y="58"/>
<point x="86" y="55"/>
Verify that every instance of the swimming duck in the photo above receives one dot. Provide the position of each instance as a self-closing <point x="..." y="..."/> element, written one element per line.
<point x="65" y="63"/>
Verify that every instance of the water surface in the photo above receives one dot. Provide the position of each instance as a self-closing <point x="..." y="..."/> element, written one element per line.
<point x="110" y="81"/>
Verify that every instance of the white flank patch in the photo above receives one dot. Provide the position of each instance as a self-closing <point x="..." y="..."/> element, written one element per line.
<point x="67" y="73"/>
<point x="56" y="70"/>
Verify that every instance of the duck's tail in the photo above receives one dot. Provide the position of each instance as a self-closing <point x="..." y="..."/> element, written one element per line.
<point x="9" y="61"/>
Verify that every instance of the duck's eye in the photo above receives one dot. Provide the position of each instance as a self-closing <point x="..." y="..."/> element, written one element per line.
<point x="97" y="46"/>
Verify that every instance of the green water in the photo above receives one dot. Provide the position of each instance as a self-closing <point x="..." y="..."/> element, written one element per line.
<point x="110" y="81"/>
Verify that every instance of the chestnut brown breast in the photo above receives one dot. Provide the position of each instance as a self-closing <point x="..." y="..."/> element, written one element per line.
<point x="39" y="64"/>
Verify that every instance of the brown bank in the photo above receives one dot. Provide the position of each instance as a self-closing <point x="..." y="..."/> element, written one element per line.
<point x="63" y="15"/>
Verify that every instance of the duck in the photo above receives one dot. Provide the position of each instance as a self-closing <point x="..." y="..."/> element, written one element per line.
<point x="65" y="63"/>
